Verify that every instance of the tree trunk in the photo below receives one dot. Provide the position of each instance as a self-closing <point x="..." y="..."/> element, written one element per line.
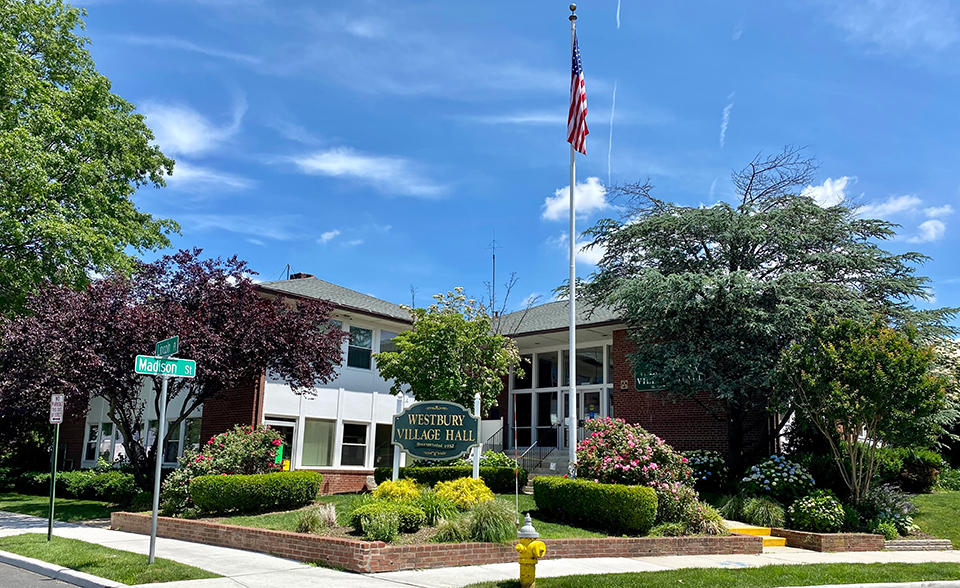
<point x="735" y="463"/>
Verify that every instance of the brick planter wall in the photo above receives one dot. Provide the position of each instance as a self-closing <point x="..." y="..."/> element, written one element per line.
<point x="344" y="481"/>
<point x="376" y="556"/>
<point x="831" y="541"/>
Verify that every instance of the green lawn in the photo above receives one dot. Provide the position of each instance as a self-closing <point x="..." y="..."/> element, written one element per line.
<point x="66" y="509"/>
<point x="287" y="521"/>
<point x="938" y="515"/>
<point x="119" y="566"/>
<point x="765" y="577"/>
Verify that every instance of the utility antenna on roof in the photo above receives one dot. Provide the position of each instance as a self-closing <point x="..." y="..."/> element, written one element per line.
<point x="288" y="271"/>
<point x="493" y="282"/>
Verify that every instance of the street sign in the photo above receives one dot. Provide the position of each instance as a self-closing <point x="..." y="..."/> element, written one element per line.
<point x="162" y="366"/>
<point x="56" y="409"/>
<point x="167" y="347"/>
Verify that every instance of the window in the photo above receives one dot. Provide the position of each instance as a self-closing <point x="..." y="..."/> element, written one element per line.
<point x="354" y="450"/>
<point x="93" y="438"/>
<point x="191" y="435"/>
<point x="383" y="450"/>
<point x="361" y="346"/>
<point x="589" y="366"/>
<point x="526" y="382"/>
<point x="523" y="413"/>
<point x="547" y="370"/>
<point x="317" y="443"/>
<point x="386" y="341"/>
<point x="106" y="441"/>
<point x="171" y="450"/>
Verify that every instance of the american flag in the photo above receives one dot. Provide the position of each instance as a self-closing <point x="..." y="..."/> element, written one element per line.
<point x="577" y="119"/>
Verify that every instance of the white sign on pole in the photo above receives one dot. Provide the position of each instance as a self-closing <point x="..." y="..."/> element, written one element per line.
<point x="56" y="409"/>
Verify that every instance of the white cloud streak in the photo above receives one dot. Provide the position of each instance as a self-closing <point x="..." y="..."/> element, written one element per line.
<point x="889" y="207"/>
<point x="280" y="228"/>
<point x="591" y="256"/>
<point x="938" y="211"/>
<point x="618" y="14"/>
<point x="588" y="197"/>
<point x="899" y="25"/>
<point x="830" y="193"/>
<point x="181" y="130"/>
<point x="931" y="230"/>
<point x="328" y="236"/>
<point x="724" y="123"/>
<point x="613" y="109"/>
<point x="194" y="178"/>
<point x="389" y="175"/>
<point x="184" y="45"/>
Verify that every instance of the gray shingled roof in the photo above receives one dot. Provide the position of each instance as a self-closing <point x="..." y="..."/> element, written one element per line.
<point x="553" y="316"/>
<point x="341" y="297"/>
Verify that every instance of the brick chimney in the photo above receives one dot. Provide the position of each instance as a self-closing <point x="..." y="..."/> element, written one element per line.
<point x="300" y="276"/>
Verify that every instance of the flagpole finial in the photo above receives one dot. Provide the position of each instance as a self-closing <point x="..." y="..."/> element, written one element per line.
<point x="573" y="9"/>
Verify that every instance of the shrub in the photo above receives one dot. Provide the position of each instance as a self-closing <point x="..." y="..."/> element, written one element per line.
<point x="669" y="530"/>
<point x="493" y="521"/>
<point x="710" y="522"/>
<point x="464" y="492"/>
<point x="731" y="507"/>
<point x="615" y="507"/>
<point x="255" y="492"/>
<point x="819" y="512"/>
<point x="709" y="470"/>
<point x="619" y="453"/>
<point x="921" y="469"/>
<point x="316" y="518"/>
<point x="108" y="485"/>
<point x="763" y="512"/>
<point x="852" y="521"/>
<point x="885" y="528"/>
<point x="399" y="491"/>
<point x="409" y="517"/>
<point x="454" y="530"/>
<point x="778" y="478"/>
<point x="495" y="459"/>
<point x="674" y="502"/>
<point x="242" y="450"/>
<point x="949" y="479"/>
<point x="501" y="480"/>
<point x="435" y="507"/>
<point x="380" y="526"/>
<point x="887" y="502"/>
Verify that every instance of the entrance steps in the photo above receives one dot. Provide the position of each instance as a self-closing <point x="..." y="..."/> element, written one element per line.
<point x="745" y="529"/>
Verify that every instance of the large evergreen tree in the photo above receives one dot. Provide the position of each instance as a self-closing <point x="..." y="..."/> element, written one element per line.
<point x="72" y="154"/>
<point x="713" y="295"/>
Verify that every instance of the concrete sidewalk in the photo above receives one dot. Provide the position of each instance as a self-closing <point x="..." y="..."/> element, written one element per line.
<point x="254" y="570"/>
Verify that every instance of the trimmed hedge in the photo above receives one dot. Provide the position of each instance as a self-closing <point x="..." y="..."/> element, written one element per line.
<point x="500" y="480"/>
<point x="110" y="486"/>
<point x="614" y="507"/>
<point x="410" y="517"/>
<point x="255" y="492"/>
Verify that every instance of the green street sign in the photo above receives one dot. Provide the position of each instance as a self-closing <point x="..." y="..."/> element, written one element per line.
<point x="162" y="366"/>
<point x="436" y="430"/>
<point x="167" y="347"/>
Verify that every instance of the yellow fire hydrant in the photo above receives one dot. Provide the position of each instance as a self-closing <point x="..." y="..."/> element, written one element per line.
<point x="531" y="550"/>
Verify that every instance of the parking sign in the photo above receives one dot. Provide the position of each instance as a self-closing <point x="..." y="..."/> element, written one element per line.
<point x="56" y="409"/>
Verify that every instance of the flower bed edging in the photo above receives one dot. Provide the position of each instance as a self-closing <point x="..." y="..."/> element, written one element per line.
<point x="831" y="541"/>
<point x="376" y="556"/>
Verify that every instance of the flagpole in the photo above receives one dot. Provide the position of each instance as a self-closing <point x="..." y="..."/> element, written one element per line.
<point x="572" y="373"/>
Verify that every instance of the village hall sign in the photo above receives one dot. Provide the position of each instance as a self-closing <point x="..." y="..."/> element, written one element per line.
<point x="436" y="430"/>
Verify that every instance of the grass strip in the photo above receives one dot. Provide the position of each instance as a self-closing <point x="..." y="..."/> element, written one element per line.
<point x="763" y="577"/>
<point x="66" y="509"/>
<point x="120" y="566"/>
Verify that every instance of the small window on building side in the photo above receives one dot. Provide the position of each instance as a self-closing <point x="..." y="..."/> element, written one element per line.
<point x="361" y="346"/>
<point x="386" y="342"/>
<point x="191" y="435"/>
<point x="93" y="438"/>
<point x="354" y="452"/>
<point x="317" y="443"/>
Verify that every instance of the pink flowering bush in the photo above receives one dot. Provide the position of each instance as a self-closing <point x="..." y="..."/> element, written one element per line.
<point x="615" y="452"/>
<point x="243" y="450"/>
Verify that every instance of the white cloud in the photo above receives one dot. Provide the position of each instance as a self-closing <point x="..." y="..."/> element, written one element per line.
<point x="899" y="25"/>
<point x="529" y="300"/>
<point x="354" y="242"/>
<point x="938" y="211"/>
<point x="328" y="236"/>
<point x="713" y="188"/>
<point x="588" y="197"/>
<point x="182" y="130"/>
<point x="194" y="178"/>
<point x="931" y="230"/>
<point x="725" y="122"/>
<point x="184" y="45"/>
<point x="390" y="175"/>
<point x="522" y="118"/>
<point x="280" y="228"/>
<point x="891" y="206"/>
<point x="255" y="241"/>
<point x="585" y="256"/>
<point x="830" y="193"/>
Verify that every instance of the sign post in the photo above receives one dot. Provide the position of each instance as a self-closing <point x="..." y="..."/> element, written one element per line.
<point x="166" y="367"/>
<point x="56" y="417"/>
<point x="479" y="448"/>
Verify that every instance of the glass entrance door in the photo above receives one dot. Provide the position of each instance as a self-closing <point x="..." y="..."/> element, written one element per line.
<point x="548" y="418"/>
<point x="288" y="433"/>
<point x="588" y="406"/>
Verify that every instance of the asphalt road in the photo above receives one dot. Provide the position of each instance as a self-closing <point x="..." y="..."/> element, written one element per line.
<point x="11" y="577"/>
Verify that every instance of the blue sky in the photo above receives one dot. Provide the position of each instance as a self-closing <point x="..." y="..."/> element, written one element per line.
<point x="381" y="145"/>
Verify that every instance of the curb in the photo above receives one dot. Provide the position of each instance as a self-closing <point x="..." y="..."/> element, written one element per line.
<point x="56" y="572"/>
<point x="934" y="584"/>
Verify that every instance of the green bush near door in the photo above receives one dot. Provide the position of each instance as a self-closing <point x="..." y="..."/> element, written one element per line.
<point x="255" y="492"/>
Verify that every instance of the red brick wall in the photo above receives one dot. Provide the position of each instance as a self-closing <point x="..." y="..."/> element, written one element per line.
<point x="685" y="424"/>
<point x="72" y="433"/>
<point x="376" y="556"/>
<point x="831" y="541"/>
<point x="237" y="406"/>
<point x="344" y="481"/>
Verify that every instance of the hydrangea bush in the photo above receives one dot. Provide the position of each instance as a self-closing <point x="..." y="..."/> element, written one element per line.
<point x="243" y="450"/>
<point x="778" y="478"/>
<point x="820" y="512"/>
<point x="709" y="469"/>
<point x="616" y="452"/>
